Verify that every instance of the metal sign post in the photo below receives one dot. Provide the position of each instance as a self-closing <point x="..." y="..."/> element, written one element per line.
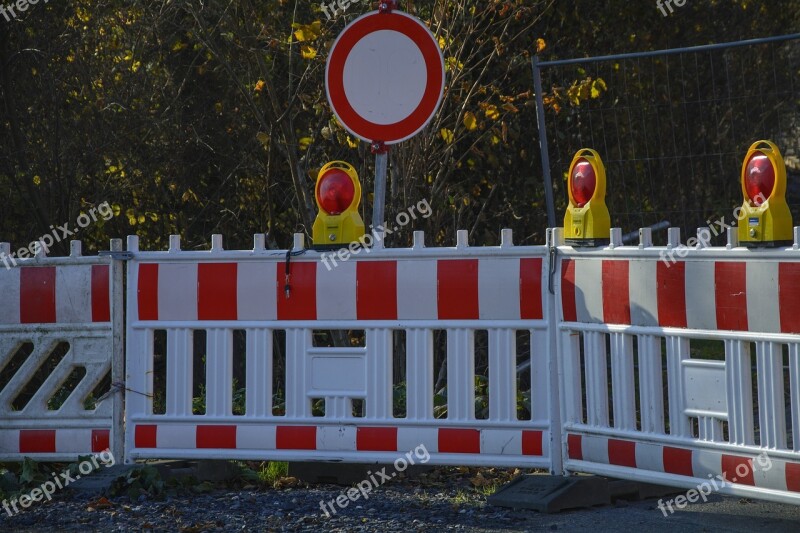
<point x="384" y="80"/>
<point x="381" y="152"/>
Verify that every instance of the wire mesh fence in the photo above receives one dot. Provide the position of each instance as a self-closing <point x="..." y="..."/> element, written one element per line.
<point x="673" y="127"/>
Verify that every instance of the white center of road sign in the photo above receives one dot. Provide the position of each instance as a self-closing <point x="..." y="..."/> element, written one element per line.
<point x="388" y="59"/>
<point x="385" y="77"/>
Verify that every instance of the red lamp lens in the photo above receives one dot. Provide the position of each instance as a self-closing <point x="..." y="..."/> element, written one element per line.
<point x="584" y="182"/>
<point x="335" y="191"/>
<point x="759" y="178"/>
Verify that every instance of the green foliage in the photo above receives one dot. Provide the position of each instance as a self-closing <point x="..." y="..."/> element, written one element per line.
<point x="272" y="471"/>
<point x="21" y="477"/>
<point x="144" y="481"/>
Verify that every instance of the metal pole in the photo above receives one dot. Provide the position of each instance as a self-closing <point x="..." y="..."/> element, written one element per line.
<point x="540" y="119"/>
<point x="117" y="396"/>
<point x="378" y="209"/>
<point x="670" y="51"/>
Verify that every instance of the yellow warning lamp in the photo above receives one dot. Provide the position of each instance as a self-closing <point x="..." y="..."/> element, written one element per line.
<point x="765" y="219"/>
<point x="338" y="194"/>
<point x="587" y="222"/>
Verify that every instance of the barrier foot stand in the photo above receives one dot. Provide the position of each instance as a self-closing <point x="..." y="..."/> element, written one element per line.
<point x="553" y="494"/>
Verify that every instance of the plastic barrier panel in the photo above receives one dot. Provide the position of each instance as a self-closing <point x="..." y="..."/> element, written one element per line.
<point x="682" y="366"/>
<point x="60" y="351"/>
<point x="248" y="355"/>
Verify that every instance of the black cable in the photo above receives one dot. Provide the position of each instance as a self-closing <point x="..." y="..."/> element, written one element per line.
<point x="287" y="288"/>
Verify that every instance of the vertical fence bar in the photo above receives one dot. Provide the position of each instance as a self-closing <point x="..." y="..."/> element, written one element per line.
<point x="460" y="374"/>
<point x="541" y="121"/>
<point x="219" y="372"/>
<point x="180" y="366"/>
<point x="771" y="407"/>
<point x="379" y="374"/>
<point x="259" y="372"/>
<point x="117" y="289"/>
<point x="594" y="360"/>
<point x="297" y="343"/>
<point x="677" y="351"/>
<point x="651" y="384"/>
<point x="502" y="375"/>
<point x="622" y="383"/>
<point x="740" y="392"/>
<point x="419" y="374"/>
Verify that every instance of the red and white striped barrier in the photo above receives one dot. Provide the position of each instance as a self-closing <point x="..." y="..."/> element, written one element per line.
<point x="64" y="294"/>
<point x="708" y="294"/>
<point x="395" y="289"/>
<point x="54" y="443"/>
<point x="63" y="315"/>
<point x="642" y="400"/>
<point x="340" y="439"/>
<point x="460" y="290"/>
<point x="742" y="473"/>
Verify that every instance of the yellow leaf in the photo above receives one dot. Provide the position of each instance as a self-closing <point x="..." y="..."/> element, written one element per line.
<point x="140" y="219"/>
<point x="598" y="86"/>
<point x="352" y="143"/>
<point x="37" y="180"/>
<point x="308" y="32"/>
<point x="442" y="43"/>
<point x="263" y="138"/>
<point x="447" y="135"/>
<point x="83" y="15"/>
<point x="470" y="122"/>
<point x="540" y="45"/>
<point x="491" y="112"/>
<point x="259" y="86"/>
<point x="451" y="64"/>
<point x="308" y="52"/>
<point x="304" y="142"/>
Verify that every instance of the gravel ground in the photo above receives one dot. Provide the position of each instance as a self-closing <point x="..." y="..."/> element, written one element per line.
<point x="397" y="508"/>
<point x="401" y="505"/>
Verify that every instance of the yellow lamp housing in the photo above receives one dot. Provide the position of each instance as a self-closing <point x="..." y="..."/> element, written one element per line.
<point x="338" y="194"/>
<point x="587" y="222"/>
<point x="765" y="219"/>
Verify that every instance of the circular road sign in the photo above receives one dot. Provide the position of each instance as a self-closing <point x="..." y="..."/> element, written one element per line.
<point x="385" y="77"/>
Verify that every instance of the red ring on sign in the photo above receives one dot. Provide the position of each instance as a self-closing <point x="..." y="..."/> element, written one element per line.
<point x="334" y="74"/>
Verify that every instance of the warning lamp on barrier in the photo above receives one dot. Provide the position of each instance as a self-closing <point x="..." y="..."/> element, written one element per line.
<point x="765" y="219"/>
<point x="338" y="194"/>
<point x="587" y="222"/>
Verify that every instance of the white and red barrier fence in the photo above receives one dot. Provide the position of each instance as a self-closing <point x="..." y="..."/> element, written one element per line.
<point x="633" y="361"/>
<point x="682" y="372"/>
<point x="417" y="291"/>
<point x="60" y="337"/>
